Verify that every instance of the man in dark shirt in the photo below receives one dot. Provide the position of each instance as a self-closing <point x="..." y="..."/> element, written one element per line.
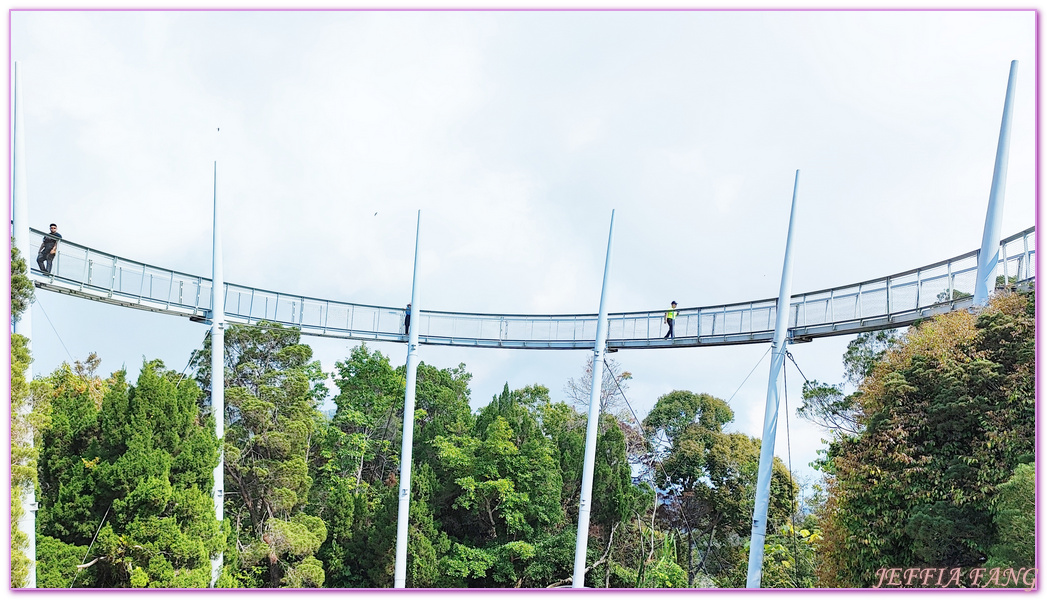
<point x="48" y="249"/>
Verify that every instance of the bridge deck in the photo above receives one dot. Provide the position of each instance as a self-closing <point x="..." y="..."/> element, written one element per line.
<point x="892" y="301"/>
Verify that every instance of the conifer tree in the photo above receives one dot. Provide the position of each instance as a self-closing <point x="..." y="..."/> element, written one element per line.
<point x="125" y="479"/>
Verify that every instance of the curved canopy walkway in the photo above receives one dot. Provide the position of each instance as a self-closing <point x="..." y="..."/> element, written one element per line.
<point x="892" y="301"/>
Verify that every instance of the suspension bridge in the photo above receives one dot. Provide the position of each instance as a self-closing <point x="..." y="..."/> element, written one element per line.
<point x="891" y="301"/>
<point x="886" y="302"/>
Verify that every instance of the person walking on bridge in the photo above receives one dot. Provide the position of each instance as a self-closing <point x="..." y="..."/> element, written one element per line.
<point x="407" y="320"/>
<point x="670" y="319"/>
<point x="48" y="249"/>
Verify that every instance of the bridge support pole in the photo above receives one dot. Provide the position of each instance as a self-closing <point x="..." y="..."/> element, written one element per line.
<point x="770" y="417"/>
<point x="218" y="373"/>
<point x="407" y="445"/>
<point x="989" y="254"/>
<point x="592" y="428"/>
<point x="24" y="326"/>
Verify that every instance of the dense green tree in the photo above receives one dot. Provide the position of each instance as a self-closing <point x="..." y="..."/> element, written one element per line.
<point x="948" y="415"/>
<point x="788" y="562"/>
<point x="358" y="466"/>
<point x="354" y="466"/>
<point x="708" y="479"/>
<point x="506" y="490"/>
<point x="617" y="500"/>
<point x="1014" y="515"/>
<point x="565" y="428"/>
<point x="23" y="458"/>
<point x="273" y="390"/>
<point x="665" y="570"/>
<point x="22" y="292"/>
<point x="515" y="478"/>
<point x="24" y="418"/>
<point x="125" y="479"/>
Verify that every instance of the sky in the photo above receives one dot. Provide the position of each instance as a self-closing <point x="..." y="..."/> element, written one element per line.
<point x="516" y="134"/>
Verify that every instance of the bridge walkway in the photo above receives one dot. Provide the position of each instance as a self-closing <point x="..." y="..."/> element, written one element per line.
<point x="886" y="302"/>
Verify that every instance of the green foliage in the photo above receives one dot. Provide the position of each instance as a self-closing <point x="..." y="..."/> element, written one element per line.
<point x="61" y="561"/>
<point x="127" y="462"/>
<point x="22" y="291"/>
<point x="28" y="414"/>
<point x="679" y="411"/>
<point x="788" y="560"/>
<point x="355" y="461"/>
<point x="827" y="406"/>
<point x="20" y="563"/>
<point x="665" y="572"/>
<point x="1014" y="514"/>
<point x="23" y="457"/>
<point x="948" y="415"/>
<point x="865" y="351"/>
<point x="709" y="478"/>
<point x="272" y="391"/>
<point x="313" y="502"/>
<point x="259" y="356"/>
<point x="357" y="467"/>
<point x="506" y="491"/>
<point x="615" y="497"/>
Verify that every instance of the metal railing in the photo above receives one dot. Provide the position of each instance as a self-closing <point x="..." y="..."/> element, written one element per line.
<point x="890" y="301"/>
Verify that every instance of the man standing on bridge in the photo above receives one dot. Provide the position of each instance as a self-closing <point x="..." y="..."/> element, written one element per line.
<point x="670" y="318"/>
<point x="48" y="248"/>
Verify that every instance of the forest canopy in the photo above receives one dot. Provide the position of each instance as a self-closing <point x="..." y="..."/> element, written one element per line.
<point x="929" y="465"/>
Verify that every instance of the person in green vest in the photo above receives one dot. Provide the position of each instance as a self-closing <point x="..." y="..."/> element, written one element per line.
<point x="670" y="318"/>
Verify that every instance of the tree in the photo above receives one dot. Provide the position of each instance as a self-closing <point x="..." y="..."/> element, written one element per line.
<point x="1014" y="515"/>
<point x="125" y="480"/>
<point x="354" y="460"/>
<point x="23" y="458"/>
<point x="865" y="351"/>
<point x="948" y="415"/>
<point x="273" y="389"/>
<point x="612" y="389"/>
<point x="22" y="292"/>
<point x="789" y="559"/>
<point x="357" y="469"/>
<point x="615" y="501"/>
<point x="827" y="405"/>
<point x="707" y="479"/>
<point x="506" y="491"/>
<point x="24" y="413"/>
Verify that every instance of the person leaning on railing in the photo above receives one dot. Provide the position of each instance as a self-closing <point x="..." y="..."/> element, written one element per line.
<point x="48" y="249"/>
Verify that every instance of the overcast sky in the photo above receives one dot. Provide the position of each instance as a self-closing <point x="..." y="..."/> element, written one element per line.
<point x="516" y="134"/>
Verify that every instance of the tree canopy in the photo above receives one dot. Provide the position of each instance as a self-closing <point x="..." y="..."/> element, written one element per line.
<point x="930" y="464"/>
<point x="948" y="417"/>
